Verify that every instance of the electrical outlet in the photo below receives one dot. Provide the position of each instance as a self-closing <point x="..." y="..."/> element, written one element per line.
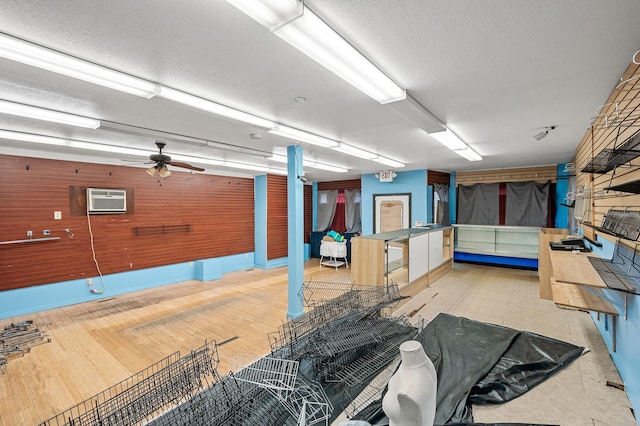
<point x="57" y="215"/>
<point x="29" y="234"/>
<point x="89" y="281"/>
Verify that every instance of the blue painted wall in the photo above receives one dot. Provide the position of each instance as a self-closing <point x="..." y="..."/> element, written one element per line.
<point x="260" y="219"/>
<point x="33" y="299"/>
<point x="562" y="186"/>
<point x="295" y="225"/>
<point x="453" y="198"/>
<point x="413" y="182"/>
<point x="429" y="204"/>
<point x="627" y="355"/>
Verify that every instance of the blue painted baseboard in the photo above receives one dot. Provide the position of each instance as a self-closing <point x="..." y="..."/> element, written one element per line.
<point x="28" y="300"/>
<point x="518" y="262"/>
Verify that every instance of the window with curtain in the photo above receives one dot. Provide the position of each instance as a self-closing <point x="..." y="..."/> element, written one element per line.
<point x="479" y="204"/>
<point x="353" y="211"/>
<point x="339" y="221"/>
<point x="339" y="210"/>
<point x="326" y="209"/>
<point x="511" y="204"/>
<point x="527" y="204"/>
<point x="441" y="204"/>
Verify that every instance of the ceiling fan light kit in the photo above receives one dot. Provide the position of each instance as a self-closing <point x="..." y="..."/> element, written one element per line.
<point x="162" y="171"/>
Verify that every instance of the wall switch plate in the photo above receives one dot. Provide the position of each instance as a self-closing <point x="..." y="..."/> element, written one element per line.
<point x="57" y="215"/>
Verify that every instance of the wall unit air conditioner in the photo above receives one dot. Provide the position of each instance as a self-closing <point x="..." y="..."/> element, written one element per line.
<point x="106" y="200"/>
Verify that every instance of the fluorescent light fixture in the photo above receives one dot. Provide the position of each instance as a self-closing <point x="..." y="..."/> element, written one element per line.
<point x="231" y="164"/>
<point x="272" y="15"/>
<point x="244" y="166"/>
<point x="109" y="148"/>
<point x="469" y="154"/>
<point x="356" y="152"/>
<point x="415" y="113"/>
<point x="310" y="35"/>
<point x="283" y="172"/>
<point x="314" y="38"/>
<point x="308" y="163"/>
<point x="213" y="108"/>
<point x="388" y="162"/>
<point x="449" y="139"/>
<point x="28" y="111"/>
<point x="201" y="160"/>
<point x="30" y="137"/>
<point x="51" y="60"/>
<point x="322" y="166"/>
<point x="302" y="136"/>
<point x="51" y="140"/>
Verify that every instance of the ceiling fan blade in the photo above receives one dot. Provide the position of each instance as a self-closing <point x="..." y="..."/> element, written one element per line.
<point x="184" y="165"/>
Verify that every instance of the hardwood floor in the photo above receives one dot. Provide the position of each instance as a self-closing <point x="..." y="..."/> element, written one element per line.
<point x="98" y="344"/>
<point x="95" y="345"/>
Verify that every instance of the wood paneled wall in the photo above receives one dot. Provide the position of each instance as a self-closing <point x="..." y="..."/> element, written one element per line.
<point x="617" y="120"/>
<point x="438" y="177"/>
<point x="220" y="210"/>
<point x="528" y="174"/>
<point x="340" y="184"/>
<point x="277" y="225"/>
<point x="277" y="213"/>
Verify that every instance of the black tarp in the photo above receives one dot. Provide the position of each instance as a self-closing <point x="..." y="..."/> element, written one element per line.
<point x="482" y="363"/>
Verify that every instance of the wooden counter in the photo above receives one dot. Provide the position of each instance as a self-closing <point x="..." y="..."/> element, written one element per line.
<point x="546" y="236"/>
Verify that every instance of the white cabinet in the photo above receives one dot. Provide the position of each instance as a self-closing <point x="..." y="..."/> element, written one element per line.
<point x="418" y="256"/>
<point x="435" y="249"/>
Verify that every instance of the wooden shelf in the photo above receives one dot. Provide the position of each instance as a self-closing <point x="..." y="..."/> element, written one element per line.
<point x="576" y="296"/>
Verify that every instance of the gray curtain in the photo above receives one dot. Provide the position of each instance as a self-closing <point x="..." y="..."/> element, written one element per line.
<point x="479" y="204"/>
<point x="443" y="209"/>
<point x="352" y="210"/>
<point x="326" y="209"/>
<point x="527" y="204"/>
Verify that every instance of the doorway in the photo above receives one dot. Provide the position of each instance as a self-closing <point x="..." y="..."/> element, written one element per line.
<point x="391" y="212"/>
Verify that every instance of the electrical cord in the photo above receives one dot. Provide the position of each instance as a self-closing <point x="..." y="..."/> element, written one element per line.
<point x="95" y="260"/>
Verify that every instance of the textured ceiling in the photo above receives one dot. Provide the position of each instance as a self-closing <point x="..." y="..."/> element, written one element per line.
<point x="496" y="71"/>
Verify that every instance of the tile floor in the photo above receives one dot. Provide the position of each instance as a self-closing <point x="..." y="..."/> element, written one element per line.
<point x="578" y="394"/>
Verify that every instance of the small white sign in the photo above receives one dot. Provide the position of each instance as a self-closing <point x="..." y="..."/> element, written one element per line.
<point x="386" y="176"/>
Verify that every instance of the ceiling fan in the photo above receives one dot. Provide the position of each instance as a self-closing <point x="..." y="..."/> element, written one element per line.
<point x="162" y="160"/>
